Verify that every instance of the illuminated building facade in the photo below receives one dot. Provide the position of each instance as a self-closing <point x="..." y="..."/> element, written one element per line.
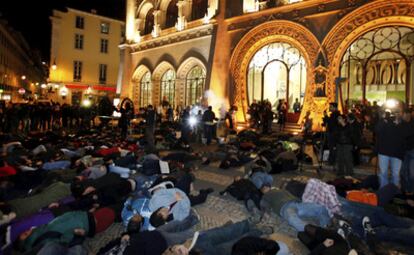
<point x="84" y="55"/>
<point x="21" y="70"/>
<point x="234" y="52"/>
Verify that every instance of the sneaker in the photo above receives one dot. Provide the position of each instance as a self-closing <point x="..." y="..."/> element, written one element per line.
<point x="341" y="232"/>
<point x="366" y="224"/>
<point x="266" y="229"/>
<point x="254" y="219"/>
<point x="346" y="227"/>
<point x="206" y="162"/>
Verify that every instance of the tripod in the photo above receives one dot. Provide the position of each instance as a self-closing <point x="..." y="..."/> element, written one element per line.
<point x="320" y="152"/>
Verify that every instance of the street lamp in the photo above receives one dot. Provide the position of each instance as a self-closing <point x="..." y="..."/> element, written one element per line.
<point x="54" y="66"/>
<point x="23" y="77"/>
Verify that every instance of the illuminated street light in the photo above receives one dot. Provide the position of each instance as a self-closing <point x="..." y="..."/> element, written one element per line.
<point x="86" y="103"/>
<point x="23" y="77"/>
<point x="54" y="66"/>
<point x="21" y="91"/>
<point x="391" y="104"/>
<point x="43" y="86"/>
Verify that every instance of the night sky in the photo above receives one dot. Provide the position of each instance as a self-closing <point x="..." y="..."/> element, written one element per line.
<point x="31" y="17"/>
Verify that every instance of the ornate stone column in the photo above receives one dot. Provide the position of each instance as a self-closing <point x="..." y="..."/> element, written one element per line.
<point x="130" y="20"/>
<point x="181" y="20"/>
<point x="157" y="28"/>
<point x="137" y="37"/>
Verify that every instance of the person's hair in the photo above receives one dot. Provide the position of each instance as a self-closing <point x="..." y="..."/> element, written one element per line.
<point x="210" y="107"/>
<point x="134" y="226"/>
<point x="260" y="162"/>
<point x="77" y="188"/>
<point x="252" y="245"/>
<point x="5" y="208"/>
<point x="18" y="245"/>
<point x="156" y="219"/>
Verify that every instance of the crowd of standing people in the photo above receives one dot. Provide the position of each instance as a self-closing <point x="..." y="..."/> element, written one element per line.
<point x="42" y="116"/>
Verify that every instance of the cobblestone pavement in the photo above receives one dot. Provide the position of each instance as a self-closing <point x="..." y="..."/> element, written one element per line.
<point x="219" y="210"/>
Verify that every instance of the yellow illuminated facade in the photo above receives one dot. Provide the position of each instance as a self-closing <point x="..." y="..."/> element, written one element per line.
<point x="345" y="51"/>
<point x="21" y="70"/>
<point x="84" y="55"/>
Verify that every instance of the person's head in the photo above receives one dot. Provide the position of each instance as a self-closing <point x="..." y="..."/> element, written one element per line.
<point x="19" y="243"/>
<point x="77" y="188"/>
<point x="351" y="117"/>
<point x="257" y="246"/>
<point x="135" y="224"/>
<point x="406" y="116"/>
<point x="296" y="100"/>
<point x="159" y="217"/>
<point x="225" y="164"/>
<point x="333" y="107"/>
<point x="261" y="162"/>
<point x="341" y="120"/>
<point x="210" y="108"/>
<point x="265" y="188"/>
<point x="150" y="107"/>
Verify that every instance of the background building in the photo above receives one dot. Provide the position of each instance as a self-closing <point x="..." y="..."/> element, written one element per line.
<point x="233" y="52"/>
<point x="84" y="55"/>
<point x="21" y="70"/>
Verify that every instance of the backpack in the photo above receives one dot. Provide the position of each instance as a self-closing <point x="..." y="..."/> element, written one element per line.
<point x="362" y="197"/>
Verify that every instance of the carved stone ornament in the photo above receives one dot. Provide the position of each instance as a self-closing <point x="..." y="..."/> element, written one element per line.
<point x="358" y="22"/>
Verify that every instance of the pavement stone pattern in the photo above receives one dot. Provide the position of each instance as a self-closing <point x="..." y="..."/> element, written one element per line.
<point x="219" y="210"/>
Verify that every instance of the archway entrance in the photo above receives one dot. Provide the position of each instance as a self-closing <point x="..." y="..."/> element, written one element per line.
<point x="379" y="66"/>
<point x="266" y="42"/>
<point x="277" y="72"/>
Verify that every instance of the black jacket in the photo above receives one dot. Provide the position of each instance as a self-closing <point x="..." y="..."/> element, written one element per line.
<point x="390" y="139"/>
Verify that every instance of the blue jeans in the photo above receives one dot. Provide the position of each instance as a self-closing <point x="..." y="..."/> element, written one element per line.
<point x="384" y="162"/>
<point x="299" y="215"/>
<point x="392" y="228"/>
<point x="122" y="171"/>
<point x="219" y="241"/>
<point x="209" y="132"/>
<point x="56" y="165"/>
<point x="177" y="232"/>
<point x="56" y="248"/>
<point x="407" y="171"/>
<point x="387" y="226"/>
<point x="354" y="210"/>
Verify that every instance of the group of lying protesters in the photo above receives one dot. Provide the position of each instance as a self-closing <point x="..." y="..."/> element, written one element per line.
<point x="58" y="189"/>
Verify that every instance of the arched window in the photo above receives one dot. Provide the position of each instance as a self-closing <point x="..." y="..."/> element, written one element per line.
<point x="277" y="72"/>
<point x="199" y="9"/>
<point x="194" y="89"/>
<point x="379" y="66"/>
<point x="145" y="95"/>
<point x="172" y="14"/>
<point x="149" y="22"/>
<point x="168" y="87"/>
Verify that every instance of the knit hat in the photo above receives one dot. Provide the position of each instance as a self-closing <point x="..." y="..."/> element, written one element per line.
<point x="104" y="218"/>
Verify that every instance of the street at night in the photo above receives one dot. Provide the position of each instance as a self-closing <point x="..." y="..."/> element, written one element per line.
<point x="233" y="127"/>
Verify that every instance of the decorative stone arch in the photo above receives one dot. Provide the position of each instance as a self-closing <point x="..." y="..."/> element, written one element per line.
<point x="270" y="32"/>
<point x="139" y="72"/>
<point x="163" y="6"/>
<point x="182" y="73"/>
<point x="368" y="17"/>
<point x="156" y="79"/>
<point x="142" y="12"/>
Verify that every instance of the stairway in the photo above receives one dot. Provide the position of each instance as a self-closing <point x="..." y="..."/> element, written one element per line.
<point x="292" y="128"/>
